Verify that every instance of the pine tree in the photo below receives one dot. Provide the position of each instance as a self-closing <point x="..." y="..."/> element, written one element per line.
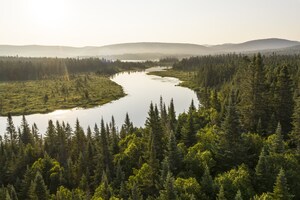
<point x="272" y="124"/>
<point x="115" y="139"/>
<point x="38" y="189"/>
<point x="104" y="190"/>
<point x="238" y="195"/>
<point x="12" y="192"/>
<point x="79" y="140"/>
<point x="163" y="111"/>
<point x="296" y="125"/>
<point x="262" y="172"/>
<point x="221" y="194"/>
<point x="230" y="137"/>
<point x="51" y="139"/>
<point x="11" y="131"/>
<point x="26" y="135"/>
<point x="278" y="146"/>
<point x="107" y="158"/>
<point x="189" y="131"/>
<point x="169" y="192"/>
<point x="127" y="127"/>
<point x="281" y="190"/>
<point x="253" y="103"/>
<point x="123" y="191"/>
<point x="284" y="100"/>
<point x="215" y="101"/>
<point x="136" y="193"/>
<point x="173" y="156"/>
<point x="172" y="116"/>
<point x="156" y="137"/>
<point x="207" y="183"/>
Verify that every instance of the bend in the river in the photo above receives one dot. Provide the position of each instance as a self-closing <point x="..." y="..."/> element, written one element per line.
<point x="141" y="90"/>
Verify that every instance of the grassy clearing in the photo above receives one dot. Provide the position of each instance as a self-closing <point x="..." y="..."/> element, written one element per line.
<point x="42" y="96"/>
<point x="185" y="77"/>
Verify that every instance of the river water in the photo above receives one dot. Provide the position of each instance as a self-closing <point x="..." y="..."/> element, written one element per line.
<point x="141" y="90"/>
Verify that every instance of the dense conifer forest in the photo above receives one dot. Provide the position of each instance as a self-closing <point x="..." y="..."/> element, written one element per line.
<point x="23" y="69"/>
<point x="243" y="142"/>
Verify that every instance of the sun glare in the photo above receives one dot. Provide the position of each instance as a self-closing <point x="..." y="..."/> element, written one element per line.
<point x="47" y="13"/>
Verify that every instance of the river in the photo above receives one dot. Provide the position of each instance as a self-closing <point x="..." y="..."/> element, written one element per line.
<point x="141" y="90"/>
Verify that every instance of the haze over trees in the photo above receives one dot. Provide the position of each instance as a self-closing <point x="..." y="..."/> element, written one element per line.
<point x="152" y="50"/>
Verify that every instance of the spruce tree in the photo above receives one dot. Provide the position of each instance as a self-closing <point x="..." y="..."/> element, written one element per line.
<point x="115" y="139"/>
<point x="26" y="135"/>
<point x="107" y="158"/>
<point x="156" y="136"/>
<point x="172" y="116"/>
<point x="136" y="193"/>
<point x="169" y="192"/>
<point x="296" y="125"/>
<point x="253" y="103"/>
<point x="127" y="127"/>
<point x="38" y="189"/>
<point x="11" y="131"/>
<point x="173" y="155"/>
<point x="221" y="194"/>
<point x="238" y="195"/>
<point x="278" y="145"/>
<point x="103" y="191"/>
<point x="281" y="190"/>
<point x="189" y="131"/>
<point x="284" y="100"/>
<point x="230" y="137"/>
<point x="207" y="183"/>
<point x="262" y="172"/>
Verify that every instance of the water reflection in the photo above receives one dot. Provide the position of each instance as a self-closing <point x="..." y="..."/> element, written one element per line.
<point x="142" y="89"/>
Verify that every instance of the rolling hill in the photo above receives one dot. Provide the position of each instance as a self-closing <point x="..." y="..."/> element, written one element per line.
<point x="146" y="50"/>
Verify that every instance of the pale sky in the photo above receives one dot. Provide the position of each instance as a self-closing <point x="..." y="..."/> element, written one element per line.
<point x="102" y="22"/>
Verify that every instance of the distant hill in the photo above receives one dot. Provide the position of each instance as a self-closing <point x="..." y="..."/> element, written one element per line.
<point x="256" y="45"/>
<point x="145" y="50"/>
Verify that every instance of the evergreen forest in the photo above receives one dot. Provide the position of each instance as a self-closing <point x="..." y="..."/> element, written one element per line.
<point x="242" y="142"/>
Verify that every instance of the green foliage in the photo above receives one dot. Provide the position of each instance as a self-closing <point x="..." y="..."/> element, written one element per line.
<point x="104" y="191"/>
<point x="187" y="188"/>
<point x="221" y="194"/>
<point x="284" y="99"/>
<point x="169" y="192"/>
<point x="230" y="137"/>
<point x="38" y="189"/>
<point x="63" y="193"/>
<point x="238" y="196"/>
<point x="28" y="97"/>
<point x="281" y="190"/>
<point x="295" y="135"/>
<point x="234" y="180"/>
<point x="144" y="178"/>
<point x="228" y="148"/>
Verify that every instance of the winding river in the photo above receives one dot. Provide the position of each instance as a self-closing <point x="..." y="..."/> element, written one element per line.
<point x="141" y="90"/>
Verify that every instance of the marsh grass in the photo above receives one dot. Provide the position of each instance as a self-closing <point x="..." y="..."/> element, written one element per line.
<point x="42" y="96"/>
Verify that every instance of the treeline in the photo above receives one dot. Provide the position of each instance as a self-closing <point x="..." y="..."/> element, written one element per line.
<point x="214" y="71"/>
<point x="264" y="87"/>
<point x="243" y="142"/>
<point x="189" y="157"/>
<point x="22" y="69"/>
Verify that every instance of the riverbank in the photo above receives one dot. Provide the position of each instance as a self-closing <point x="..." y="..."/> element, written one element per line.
<point x="185" y="77"/>
<point x="44" y="96"/>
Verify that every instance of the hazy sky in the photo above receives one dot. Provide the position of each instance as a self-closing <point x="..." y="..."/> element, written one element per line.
<point x="99" y="22"/>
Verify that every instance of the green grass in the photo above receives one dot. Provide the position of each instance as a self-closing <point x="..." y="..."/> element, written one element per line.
<point x="42" y="96"/>
<point x="185" y="77"/>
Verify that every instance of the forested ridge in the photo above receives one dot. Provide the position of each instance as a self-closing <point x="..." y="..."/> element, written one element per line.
<point x="243" y="142"/>
<point x="41" y="85"/>
<point x="23" y="69"/>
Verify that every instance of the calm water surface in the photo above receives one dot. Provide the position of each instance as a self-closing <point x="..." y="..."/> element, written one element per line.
<point x="141" y="90"/>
